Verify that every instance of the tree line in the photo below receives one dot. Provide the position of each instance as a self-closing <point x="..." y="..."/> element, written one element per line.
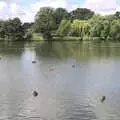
<point x="58" y="22"/>
<point x="14" y="29"/>
<point x="50" y="22"/>
<point x="80" y="22"/>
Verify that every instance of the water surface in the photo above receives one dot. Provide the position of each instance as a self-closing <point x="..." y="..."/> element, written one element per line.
<point x="65" y="93"/>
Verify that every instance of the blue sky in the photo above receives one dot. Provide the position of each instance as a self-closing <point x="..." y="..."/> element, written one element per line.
<point x="26" y="3"/>
<point x="26" y="9"/>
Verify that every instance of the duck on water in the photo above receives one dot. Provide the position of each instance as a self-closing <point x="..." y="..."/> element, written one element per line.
<point x="33" y="61"/>
<point x="35" y="93"/>
<point x="103" y="99"/>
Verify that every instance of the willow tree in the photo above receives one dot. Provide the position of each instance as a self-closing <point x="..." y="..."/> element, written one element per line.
<point x="80" y="28"/>
<point x="64" y="28"/>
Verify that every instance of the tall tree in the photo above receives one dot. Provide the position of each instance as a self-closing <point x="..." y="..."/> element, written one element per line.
<point x="16" y="29"/>
<point x="60" y="14"/>
<point x="64" y="28"/>
<point x="12" y="29"/>
<point x="115" y="30"/>
<point x="2" y="29"/>
<point x="80" y="28"/>
<point x="27" y="26"/>
<point x="117" y="14"/>
<point x="44" y="21"/>
<point x="82" y="14"/>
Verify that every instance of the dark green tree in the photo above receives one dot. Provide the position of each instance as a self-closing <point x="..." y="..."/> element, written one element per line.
<point x="12" y="29"/>
<point x="45" y="22"/>
<point x="60" y="14"/>
<point x="115" y="30"/>
<point x="117" y="14"/>
<point x="2" y="29"/>
<point x="64" y="28"/>
<point x="26" y="26"/>
<point x="15" y="29"/>
<point x="81" y="14"/>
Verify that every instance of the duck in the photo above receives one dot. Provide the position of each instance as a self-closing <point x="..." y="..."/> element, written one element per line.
<point x="33" y="61"/>
<point x="35" y="93"/>
<point x="73" y="66"/>
<point x="103" y="99"/>
<point x="51" y="69"/>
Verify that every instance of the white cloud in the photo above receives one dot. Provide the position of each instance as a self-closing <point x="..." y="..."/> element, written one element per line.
<point x="51" y="3"/>
<point x="101" y="6"/>
<point x="11" y="9"/>
<point x="74" y="6"/>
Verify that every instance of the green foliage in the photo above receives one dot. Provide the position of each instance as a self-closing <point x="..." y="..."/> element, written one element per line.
<point x="80" y="28"/>
<point x="81" y="14"/>
<point x="26" y="26"/>
<point x="2" y="29"/>
<point x="64" y="28"/>
<point x="115" y="30"/>
<point x="36" y="36"/>
<point x="67" y="38"/>
<point x="12" y="29"/>
<point x="80" y="24"/>
<point x="60" y="14"/>
<point x="28" y="35"/>
<point x="44" y="21"/>
<point x="105" y="27"/>
<point x="100" y="26"/>
<point x="117" y="14"/>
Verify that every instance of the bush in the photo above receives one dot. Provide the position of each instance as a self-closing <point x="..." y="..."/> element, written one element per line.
<point x="28" y="36"/>
<point x="36" y="36"/>
<point x="47" y="35"/>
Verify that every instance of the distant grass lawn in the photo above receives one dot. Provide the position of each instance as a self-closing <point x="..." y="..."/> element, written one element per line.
<point x="67" y="38"/>
<point x="37" y="36"/>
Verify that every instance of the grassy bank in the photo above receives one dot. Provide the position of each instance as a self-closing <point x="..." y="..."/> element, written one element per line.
<point x="37" y="36"/>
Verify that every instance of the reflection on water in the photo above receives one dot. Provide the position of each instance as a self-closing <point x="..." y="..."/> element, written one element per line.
<point x="65" y="93"/>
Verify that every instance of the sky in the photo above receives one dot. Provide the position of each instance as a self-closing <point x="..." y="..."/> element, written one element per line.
<point x="26" y="9"/>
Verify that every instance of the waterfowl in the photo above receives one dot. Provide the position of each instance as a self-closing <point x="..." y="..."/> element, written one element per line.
<point x="35" y="93"/>
<point x="33" y="61"/>
<point x="103" y="99"/>
<point x="73" y="66"/>
<point x="51" y="69"/>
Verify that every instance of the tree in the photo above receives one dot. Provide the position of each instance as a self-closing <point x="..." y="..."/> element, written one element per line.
<point x="80" y="28"/>
<point x="105" y="32"/>
<point x="44" y="21"/>
<point x="115" y="30"/>
<point x="96" y="25"/>
<point x="117" y="14"/>
<point x="26" y="26"/>
<point x="12" y="29"/>
<point x="2" y="29"/>
<point x="81" y="14"/>
<point x="60" y="14"/>
<point x="64" y="28"/>
<point x="15" y="29"/>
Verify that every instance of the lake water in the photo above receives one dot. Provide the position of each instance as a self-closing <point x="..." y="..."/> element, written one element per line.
<point x="65" y="92"/>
